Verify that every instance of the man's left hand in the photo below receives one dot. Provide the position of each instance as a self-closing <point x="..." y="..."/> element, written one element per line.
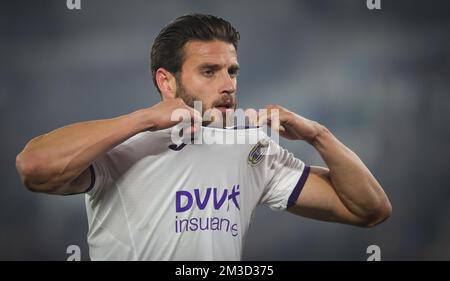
<point x="289" y="124"/>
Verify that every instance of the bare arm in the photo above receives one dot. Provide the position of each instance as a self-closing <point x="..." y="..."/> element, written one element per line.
<point x="346" y="191"/>
<point x="57" y="162"/>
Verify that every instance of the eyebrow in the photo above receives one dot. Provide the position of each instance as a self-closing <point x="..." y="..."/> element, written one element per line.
<point x="213" y="66"/>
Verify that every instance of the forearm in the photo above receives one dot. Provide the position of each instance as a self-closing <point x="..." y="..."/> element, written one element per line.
<point x="353" y="182"/>
<point x="61" y="155"/>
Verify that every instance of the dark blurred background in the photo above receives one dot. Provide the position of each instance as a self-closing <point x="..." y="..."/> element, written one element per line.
<point x="378" y="79"/>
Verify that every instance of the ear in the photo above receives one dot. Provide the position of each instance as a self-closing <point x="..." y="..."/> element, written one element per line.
<point x="166" y="83"/>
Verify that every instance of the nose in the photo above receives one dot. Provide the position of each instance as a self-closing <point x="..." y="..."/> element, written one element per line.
<point x="228" y="84"/>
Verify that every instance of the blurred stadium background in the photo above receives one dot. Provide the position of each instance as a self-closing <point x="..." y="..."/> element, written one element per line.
<point x="379" y="80"/>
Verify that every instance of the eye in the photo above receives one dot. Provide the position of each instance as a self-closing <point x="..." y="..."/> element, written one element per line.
<point x="233" y="72"/>
<point x="208" y="73"/>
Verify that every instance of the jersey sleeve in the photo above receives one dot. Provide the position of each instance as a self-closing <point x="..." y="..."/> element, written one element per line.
<point x="108" y="167"/>
<point x="100" y="175"/>
<point x="286" y="177"/>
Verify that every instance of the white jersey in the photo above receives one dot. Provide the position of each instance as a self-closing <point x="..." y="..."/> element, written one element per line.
<point x="153" y="200"/>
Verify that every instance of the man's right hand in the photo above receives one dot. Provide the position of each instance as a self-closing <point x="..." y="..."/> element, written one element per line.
<point x="169" y="113"/>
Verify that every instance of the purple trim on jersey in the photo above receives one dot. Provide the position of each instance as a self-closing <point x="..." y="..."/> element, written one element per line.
<point x="298" y="188"/>
<point x="91" y="185"/>
<point x="91" y="169"/>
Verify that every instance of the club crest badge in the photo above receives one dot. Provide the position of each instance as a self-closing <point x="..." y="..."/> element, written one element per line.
<point x="257" y="153"/>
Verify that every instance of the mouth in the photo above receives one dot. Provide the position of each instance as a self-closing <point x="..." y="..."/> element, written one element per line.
<point x="223" y="107"/>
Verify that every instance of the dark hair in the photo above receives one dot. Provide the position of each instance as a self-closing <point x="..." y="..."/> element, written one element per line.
<point x="167" y="49"/>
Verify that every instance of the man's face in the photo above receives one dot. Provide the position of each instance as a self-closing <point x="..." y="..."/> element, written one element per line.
<point x="208" y="75"/>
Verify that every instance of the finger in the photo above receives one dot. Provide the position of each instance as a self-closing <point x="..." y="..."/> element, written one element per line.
<point x="262" y="118"/>
<point x="188" y="115"/>
<point x="252" y="116"/>
<point x="191" y="129"/>
<point x="180" y="115"/>
<point x="273" y="116"/>
<point x="188" y="132"/>
<point x="197" y="120"/>
<point x="197" y="117"/>
<point x="274" y="106"/>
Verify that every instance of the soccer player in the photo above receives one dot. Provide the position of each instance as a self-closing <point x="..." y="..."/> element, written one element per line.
<point x="148" y="198"/>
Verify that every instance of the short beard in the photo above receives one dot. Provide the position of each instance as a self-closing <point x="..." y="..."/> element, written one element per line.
<point x="190" y="98"/>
